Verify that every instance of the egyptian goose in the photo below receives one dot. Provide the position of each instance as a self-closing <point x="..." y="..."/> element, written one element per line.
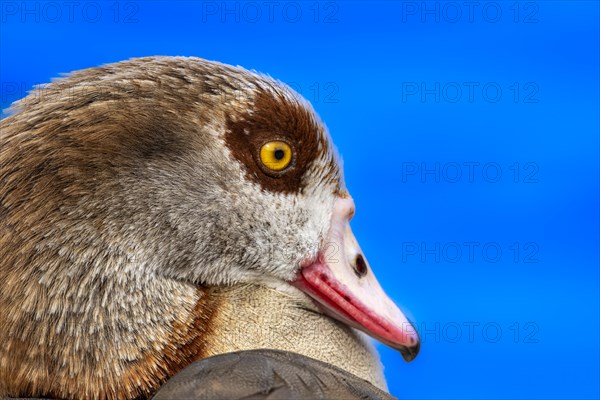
<point x="163" y="210"/>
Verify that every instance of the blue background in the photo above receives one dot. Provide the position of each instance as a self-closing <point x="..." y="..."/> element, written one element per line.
<point x="520" y="324"/>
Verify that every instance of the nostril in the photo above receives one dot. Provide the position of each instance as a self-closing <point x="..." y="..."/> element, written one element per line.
<point x="360" y="266"/>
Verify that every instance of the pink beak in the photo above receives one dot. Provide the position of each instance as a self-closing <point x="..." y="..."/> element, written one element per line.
<point x="345" y="288"/>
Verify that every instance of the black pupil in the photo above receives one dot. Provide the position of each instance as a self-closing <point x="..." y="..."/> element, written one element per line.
<point x="279" y="154"/>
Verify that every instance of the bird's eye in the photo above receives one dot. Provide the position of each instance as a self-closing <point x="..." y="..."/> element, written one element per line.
<point x="276" y="155"/>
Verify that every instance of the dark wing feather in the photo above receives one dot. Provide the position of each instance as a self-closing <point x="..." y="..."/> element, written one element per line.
<point x="266" y="374"/>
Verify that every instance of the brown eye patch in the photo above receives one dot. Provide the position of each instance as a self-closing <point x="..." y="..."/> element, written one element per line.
<point x="275" y="117"/>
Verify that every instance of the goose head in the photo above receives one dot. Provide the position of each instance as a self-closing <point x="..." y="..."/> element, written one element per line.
<point x="267" y="202"/>
<point x="182" y="171"/>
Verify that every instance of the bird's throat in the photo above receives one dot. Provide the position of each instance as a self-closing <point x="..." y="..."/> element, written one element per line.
<point x="258" y="317"/>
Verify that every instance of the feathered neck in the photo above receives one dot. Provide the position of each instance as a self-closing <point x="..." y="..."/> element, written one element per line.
<point x="255" y="317"/>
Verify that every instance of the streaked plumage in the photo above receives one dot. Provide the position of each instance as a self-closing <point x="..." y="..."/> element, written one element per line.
<point x="140" y="232"/>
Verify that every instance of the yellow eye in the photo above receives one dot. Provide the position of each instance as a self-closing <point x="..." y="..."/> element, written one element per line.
<point x="276" y="155"/>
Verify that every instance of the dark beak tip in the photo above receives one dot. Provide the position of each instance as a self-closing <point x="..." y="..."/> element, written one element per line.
<point x="410" y="353"/>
